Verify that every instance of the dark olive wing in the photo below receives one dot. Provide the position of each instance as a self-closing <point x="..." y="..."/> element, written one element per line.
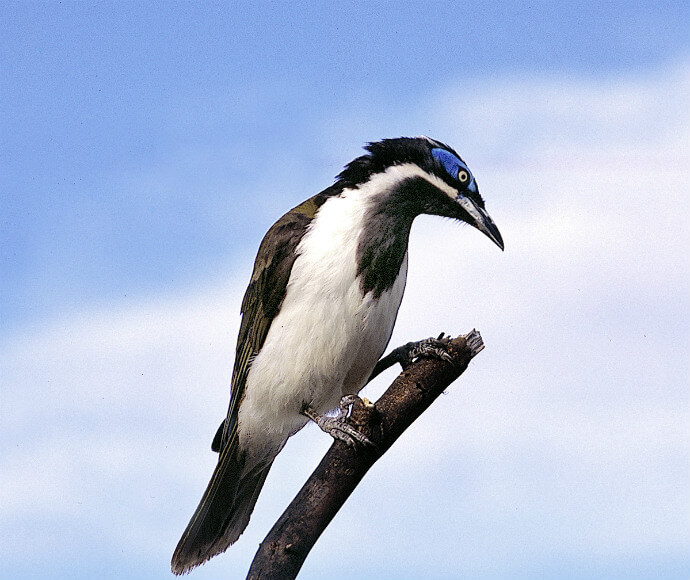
<point x="263" y="299"/>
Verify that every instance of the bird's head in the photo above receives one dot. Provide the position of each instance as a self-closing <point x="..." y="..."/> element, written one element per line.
<point x="421" y="175"/>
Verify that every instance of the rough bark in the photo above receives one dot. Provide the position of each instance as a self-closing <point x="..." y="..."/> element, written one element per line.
<point x="283" y="551"/>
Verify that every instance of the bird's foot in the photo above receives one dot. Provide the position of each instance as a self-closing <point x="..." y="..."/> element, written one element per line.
<point x="427" y="348"/>
<point x="337" y="426"/>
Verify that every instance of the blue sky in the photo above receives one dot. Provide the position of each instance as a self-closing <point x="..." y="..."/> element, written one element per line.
<point x="146" y="149"/>
<point x="123" y="123"/>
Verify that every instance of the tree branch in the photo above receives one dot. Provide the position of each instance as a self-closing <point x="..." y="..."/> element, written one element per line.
<point x="283" y="551"/>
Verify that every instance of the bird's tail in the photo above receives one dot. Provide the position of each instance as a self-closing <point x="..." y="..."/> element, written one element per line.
<point x="224" y="510"/>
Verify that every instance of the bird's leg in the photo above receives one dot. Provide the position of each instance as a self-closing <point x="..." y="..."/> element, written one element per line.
<point x="407" y="353"/>
<point x="337" y="426"/>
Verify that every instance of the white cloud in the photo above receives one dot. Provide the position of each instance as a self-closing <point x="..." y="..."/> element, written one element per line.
<point x="568" y="435"/>
<point x="571" y="117"/>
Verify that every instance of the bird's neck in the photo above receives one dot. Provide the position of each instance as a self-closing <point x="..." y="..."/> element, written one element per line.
<point x="381" y="252"/>
<point x="384" y="239"/>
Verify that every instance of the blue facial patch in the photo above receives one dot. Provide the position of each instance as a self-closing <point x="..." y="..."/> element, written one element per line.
<point x="450" y="162"/>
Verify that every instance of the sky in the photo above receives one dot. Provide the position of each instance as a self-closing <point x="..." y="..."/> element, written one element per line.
<point x="146" y="149"/>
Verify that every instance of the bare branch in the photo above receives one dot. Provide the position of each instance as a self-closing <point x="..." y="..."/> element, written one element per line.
<point x="283" y="551"/>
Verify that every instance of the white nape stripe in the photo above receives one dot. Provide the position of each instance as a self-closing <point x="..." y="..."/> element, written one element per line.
<point x="396" y="174"/>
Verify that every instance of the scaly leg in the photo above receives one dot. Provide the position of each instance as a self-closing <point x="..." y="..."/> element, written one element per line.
<point x="337" y="427"/>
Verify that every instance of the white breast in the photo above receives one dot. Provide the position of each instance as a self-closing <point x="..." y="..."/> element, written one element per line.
<point x="327" y="337"/>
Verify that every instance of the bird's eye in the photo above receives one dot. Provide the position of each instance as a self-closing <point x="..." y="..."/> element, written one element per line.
<point x="463" y="176"/>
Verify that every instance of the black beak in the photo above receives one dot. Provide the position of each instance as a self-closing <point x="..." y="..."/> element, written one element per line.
<point x="481" y="220"/>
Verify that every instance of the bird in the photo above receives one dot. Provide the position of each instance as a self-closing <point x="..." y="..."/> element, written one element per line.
<point x="318" y="314"/>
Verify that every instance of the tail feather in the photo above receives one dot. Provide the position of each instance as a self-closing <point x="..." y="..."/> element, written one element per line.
<point x="224" y="510"/>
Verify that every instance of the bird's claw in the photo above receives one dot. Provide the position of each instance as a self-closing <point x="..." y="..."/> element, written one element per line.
<point x="339" y="429"/>
<point x="337" y="426"/>
<point x="427" y="348"/>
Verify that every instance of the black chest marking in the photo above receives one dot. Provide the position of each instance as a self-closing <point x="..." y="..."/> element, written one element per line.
<point x="386" y="233"/>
